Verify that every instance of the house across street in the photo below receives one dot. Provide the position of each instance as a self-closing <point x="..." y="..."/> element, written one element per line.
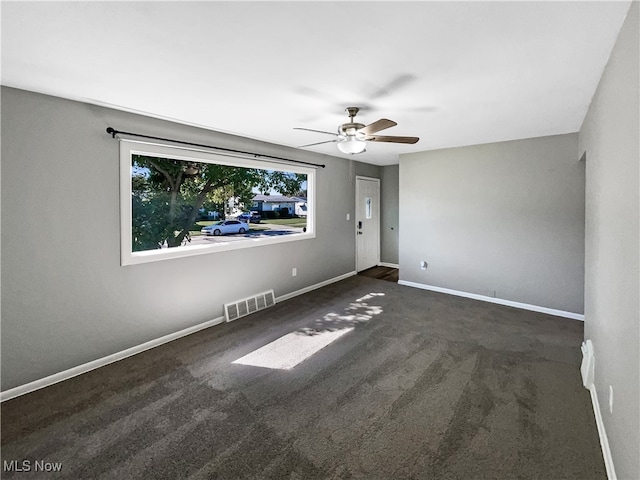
<point x="276" y="203"/>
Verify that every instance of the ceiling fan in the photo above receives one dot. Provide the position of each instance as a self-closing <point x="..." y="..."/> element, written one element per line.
<point x="352" y="137"/>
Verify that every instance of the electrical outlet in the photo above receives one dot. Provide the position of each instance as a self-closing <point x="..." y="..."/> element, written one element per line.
<point x="294" y="271"/>
<point x="610" y="399"/>
<point x="348" y="216"/>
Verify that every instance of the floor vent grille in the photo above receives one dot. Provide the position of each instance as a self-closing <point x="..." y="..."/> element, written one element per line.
<point x="245" y="306"/>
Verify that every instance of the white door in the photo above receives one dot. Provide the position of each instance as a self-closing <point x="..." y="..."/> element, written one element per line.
<point x="367" y="222"/>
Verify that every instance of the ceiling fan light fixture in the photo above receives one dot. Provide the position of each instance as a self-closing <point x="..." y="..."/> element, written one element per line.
<point x="352" y="145"/>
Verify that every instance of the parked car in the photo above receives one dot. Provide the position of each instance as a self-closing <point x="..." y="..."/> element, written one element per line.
<point x="250" y="217"/>
<point x="225" y="227"/>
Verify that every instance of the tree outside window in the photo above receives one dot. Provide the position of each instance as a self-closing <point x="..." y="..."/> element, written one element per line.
<point x="168" y="194"/>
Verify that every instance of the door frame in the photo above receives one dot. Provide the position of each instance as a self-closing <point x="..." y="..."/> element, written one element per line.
<point x="376" y="214"/>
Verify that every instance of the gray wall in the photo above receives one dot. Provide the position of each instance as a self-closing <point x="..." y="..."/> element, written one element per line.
<point x="609" y="136"/>
<point x="362" y="169"/>
<point x="390" y="211"/>
<point x="503" y="217"/>
<point x="65" y="298"/>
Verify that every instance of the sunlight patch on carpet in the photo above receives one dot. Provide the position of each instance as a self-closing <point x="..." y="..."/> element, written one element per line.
<point x="288" y="351"/>
<point x="292" y="349"/>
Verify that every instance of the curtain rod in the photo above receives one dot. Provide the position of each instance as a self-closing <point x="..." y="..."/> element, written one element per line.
<point x="113" y="132"/>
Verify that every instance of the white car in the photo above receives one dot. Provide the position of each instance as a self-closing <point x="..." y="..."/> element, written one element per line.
<point x="224" y="227"/>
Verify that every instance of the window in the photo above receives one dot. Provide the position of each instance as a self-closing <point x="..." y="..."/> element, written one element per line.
<point x="179" y="201"/>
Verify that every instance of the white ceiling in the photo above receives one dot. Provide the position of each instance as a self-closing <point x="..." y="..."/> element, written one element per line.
<point x="452" y="73"/>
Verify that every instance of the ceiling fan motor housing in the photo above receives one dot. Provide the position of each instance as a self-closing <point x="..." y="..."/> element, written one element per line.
<point x="350" y="129"/>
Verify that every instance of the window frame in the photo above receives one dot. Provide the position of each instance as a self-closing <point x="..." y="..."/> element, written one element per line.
<point x="129" y="147"/>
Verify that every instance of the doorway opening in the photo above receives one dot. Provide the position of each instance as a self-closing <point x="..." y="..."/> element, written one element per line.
<point x="367" y="222"/>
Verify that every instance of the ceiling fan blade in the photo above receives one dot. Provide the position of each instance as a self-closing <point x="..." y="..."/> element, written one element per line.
<point x="377" y="126"/>
<point x="391" y="139"/>
<point x="317" y="143"/>
<point x="317" y="131"/>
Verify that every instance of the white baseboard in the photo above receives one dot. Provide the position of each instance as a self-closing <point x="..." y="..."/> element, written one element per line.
<point x="390" y="265"/>
<point x="500" y="301"/>
<point x="587" y="370"/>
<point x="287" y="296"/>
<point x="101" y="362"/>
<point x="604" y="440"/>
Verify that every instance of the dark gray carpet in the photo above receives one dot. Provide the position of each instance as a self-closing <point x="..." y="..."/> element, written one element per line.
<point x="426" y="386"/>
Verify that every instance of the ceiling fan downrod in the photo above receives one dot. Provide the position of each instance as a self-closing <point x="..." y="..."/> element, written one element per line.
<point x="351" y="129"/>
<point x="352" y="112"/>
